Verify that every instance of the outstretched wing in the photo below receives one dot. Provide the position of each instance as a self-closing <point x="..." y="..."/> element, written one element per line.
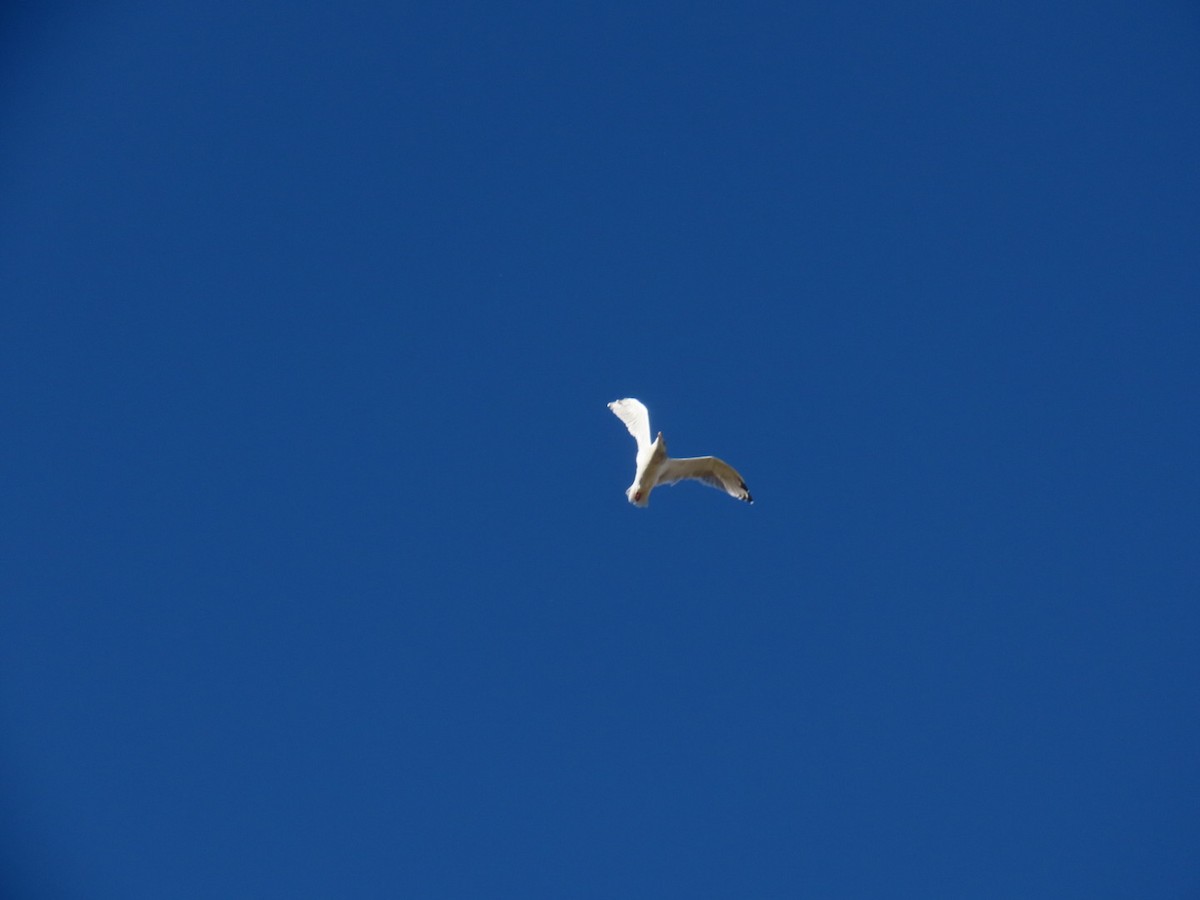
<point x="636" y="418"/>
<point x="712" y="471"/>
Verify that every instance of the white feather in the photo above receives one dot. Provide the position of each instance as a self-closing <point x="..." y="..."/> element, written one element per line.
<point x="654" y="467"/>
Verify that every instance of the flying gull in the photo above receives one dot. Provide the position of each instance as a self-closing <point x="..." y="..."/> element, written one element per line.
<point x="654" y="467"/>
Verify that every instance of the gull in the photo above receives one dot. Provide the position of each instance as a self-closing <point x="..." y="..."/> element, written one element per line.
<point x="654" y="467"/>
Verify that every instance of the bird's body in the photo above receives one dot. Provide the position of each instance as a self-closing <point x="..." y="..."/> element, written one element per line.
<point x="655" y="467"/>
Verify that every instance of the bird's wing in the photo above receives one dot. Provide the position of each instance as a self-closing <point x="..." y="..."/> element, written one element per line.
<point x="636" y="418"/>
<point x="712" y="471"/>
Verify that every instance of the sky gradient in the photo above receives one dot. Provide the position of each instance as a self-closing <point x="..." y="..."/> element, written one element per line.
<point x="320" y="579"/>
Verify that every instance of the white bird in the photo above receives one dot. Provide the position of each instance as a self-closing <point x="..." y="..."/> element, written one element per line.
<point x="654" y="467"/>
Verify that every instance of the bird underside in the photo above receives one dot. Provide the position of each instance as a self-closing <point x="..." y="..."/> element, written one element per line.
<point x="655" y="468"/>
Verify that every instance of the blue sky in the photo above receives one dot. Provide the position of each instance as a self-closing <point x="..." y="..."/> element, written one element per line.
<point x="320" y="579"/>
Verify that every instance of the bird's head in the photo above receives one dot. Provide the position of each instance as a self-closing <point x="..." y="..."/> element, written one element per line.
<point x="637" y="495"/>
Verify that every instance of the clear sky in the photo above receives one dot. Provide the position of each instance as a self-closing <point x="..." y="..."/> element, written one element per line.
<point x="319" y="579"/>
